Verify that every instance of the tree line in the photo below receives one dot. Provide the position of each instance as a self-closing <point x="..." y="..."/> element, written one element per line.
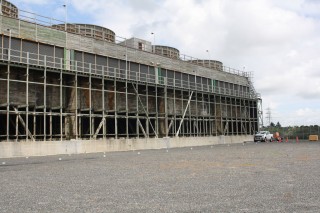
<point x="302" y="132"/>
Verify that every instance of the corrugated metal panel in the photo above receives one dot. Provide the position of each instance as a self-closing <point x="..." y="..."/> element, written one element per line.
<point x="16" y="48"/>
<point x="79" y="60"/>
<point x="59" y="55"/>
<point x="32" y="49"/>
<point x="48" y="51"/>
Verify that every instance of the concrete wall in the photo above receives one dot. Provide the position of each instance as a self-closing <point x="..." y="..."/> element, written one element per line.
<point x="23" y="149"/>
<point x="134" y="43"/>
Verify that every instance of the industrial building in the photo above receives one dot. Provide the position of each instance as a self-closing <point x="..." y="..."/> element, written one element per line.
<point x="61" y="81"/>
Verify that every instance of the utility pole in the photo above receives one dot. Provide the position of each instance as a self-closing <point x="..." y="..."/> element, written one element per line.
<point x="66" y="21"/>
<point x="154" y="42"/>
<point x="66" y="15"/>
<point x="209" y="59"/>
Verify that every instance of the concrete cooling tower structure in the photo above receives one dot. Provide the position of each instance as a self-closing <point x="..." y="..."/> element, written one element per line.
<point x="8" y="9"/>
<point x="88" y="30"/>
<point x="166" y="51"/>
<point x="73" y="88"/>
<point x="213" y="64"/>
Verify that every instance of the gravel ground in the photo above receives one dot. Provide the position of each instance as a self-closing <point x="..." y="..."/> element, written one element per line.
<point x="250" y="177"/>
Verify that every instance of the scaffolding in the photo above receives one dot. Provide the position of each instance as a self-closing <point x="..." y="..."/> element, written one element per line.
<point x="44" y="101"/>
<point x="55" y="87"/>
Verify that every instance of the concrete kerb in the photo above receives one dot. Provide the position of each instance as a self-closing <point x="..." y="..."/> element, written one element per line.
<point x="41" y="148"/>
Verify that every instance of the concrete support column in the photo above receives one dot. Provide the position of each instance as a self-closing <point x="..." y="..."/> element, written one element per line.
<point x="45" y="99"/>
<point x="61" y="104"/>
<point x="115" y="109"/>
<point x="166" y="108"/>
<point x="27" y="98"/>
<point x="8" y="100"/>
<point x="104" y="129"/>
<point x="137" y="110"/>
<point x="91" y="119"/>
<point x="71" y="119"/>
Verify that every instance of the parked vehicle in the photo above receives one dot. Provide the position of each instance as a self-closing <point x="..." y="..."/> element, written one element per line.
<point x="263" y="136"/>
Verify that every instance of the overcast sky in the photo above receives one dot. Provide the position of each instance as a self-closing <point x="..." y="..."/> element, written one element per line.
<point x="277" y="40"/>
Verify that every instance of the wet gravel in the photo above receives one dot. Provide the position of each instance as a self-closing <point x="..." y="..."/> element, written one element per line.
<point x="250" y="177"/>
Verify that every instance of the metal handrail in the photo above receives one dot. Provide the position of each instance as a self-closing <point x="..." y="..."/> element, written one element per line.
<point x="36" y="59"/>
<point x="48" y="22"/>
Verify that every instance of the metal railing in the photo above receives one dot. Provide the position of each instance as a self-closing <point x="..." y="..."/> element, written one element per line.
<point x="38" y="19"/>
<point x="193" y="60"/>
<point x="17" y="56"/>
<point x="48" y="22"/>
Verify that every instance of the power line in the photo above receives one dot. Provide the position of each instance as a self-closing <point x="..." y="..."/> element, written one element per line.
<point x="268" y="115"/>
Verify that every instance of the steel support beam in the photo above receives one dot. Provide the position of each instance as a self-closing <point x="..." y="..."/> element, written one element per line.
<point x="145" y="111"/>
<point x="61" y="104"/>
<point x="8" y="100"/>
<point x="45" y="99"/>
<point x="27" y="96"/>
<point x="28" y="133"/>
<point x="98" y="129"/>
<point x="141" y="127"/>
<point x="184" y="113"/>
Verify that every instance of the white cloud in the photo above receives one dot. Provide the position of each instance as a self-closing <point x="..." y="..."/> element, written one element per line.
<point x="307" y="116"/>
<point x="34" y="1"/>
